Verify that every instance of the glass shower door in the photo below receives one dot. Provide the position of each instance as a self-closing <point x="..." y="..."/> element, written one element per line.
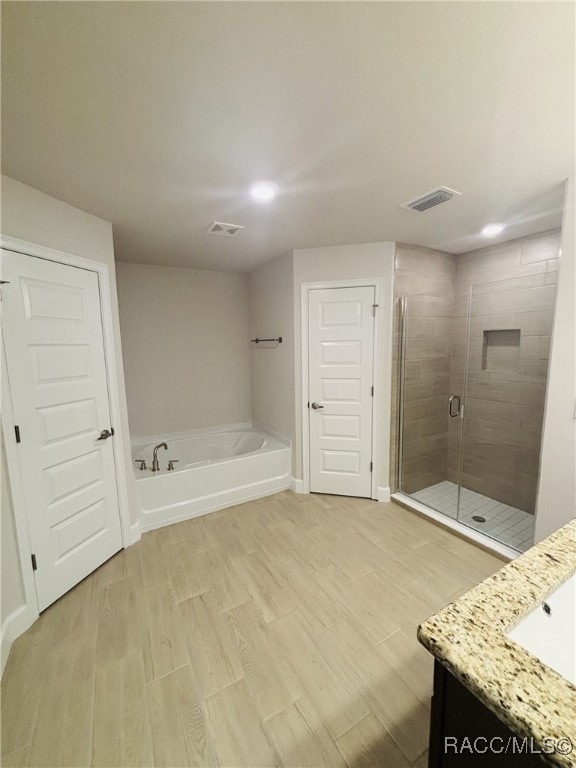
<point x="431" y="380"/>
<point x="471" y="390"/>
<point x="473" y="351"/>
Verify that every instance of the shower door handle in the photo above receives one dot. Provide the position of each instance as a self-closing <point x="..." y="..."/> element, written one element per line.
<point x="454" y="406"/>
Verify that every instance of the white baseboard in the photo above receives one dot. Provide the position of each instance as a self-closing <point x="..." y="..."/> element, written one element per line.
<point x="296" y="485"/>
<point x="383" y="494"/>
<point x="12" y="627"/>
<point x="134" y="534"/>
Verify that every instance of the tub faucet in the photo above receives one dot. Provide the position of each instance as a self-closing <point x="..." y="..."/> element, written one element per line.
<point x="155" y="463"/>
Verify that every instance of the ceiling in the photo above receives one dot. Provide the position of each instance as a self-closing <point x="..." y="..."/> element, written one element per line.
<point x="159" y="115"/>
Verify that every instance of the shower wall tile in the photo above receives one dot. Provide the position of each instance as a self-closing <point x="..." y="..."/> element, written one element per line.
<point x="513" y="283"/>
<point x="482" y="305"/>
<point x="530" y="394"/>
<point x="430" y="306"/>
<point x="505" y="255"/>
<point x="417" y="389"/>
<point x="422" y="285"/>
<point x="530" y="347"/>
<point x="412" y="370"/>
<point x="424" y="408"/>
<point x="493" y="273"/>
<point x="441" y="387"/>
<point x="536" y="323"/>
<point x="542" y="248"/>
<point x="419" y="328"/>
<point x="413" y="260"/>
<point x="523" y="300"/>
<point x="499" y="412"/>
<point x="544" y="348"/>
<point x="491" y="323"/>
<point x="434" y="425"/>
<point x="432" y="347"/>
<point x="434" y="367"/>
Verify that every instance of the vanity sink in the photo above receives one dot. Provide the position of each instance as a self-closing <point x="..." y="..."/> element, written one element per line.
<point x="549" y="630"/>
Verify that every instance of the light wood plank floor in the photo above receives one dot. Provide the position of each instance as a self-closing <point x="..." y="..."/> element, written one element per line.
<point x="276" y="633"/>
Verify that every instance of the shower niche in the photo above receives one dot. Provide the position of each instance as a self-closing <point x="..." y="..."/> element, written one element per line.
<point x="501" y="350"/>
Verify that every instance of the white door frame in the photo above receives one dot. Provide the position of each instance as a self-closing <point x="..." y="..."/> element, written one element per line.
<point x="305" y="288"/>
<point x="8" y="423"/>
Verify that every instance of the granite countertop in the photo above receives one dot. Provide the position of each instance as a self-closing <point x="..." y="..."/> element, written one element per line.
<point x="469" y="638"/>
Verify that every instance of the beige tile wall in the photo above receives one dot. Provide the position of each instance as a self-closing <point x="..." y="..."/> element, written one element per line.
<point x="513" y="287"/>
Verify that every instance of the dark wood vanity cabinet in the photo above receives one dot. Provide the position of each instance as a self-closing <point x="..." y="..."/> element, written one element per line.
<point x="459" y="719"/>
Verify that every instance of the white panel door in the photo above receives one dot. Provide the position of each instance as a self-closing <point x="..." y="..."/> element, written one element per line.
<point x="52" y="331"/>
<point x="341" y="366"/>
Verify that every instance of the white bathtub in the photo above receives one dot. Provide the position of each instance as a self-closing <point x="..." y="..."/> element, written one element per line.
<point x="214" y="470"/>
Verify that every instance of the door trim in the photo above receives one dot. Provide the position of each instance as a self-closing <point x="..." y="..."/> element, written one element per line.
<point x="13" y="459"/>
<point x="25" y="615"/>
<point x="376" y="283"/>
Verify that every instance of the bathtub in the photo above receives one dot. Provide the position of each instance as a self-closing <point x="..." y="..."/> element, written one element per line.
<point x="212" y="470"/>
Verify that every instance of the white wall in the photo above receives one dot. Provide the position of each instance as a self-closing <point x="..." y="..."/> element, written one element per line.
<point x="271" y="313"/>
<point x="29" y="214"/>
<point x="372" y="260"/>
<point x="32" y="216"/>
<point x="556" y="503"/>
<point x="186" y="347"/>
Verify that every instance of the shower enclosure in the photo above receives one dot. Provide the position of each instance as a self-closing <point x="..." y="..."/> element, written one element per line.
<point x="472" y="366"/>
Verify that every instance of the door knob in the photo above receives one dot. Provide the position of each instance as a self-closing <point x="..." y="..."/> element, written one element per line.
<point x="106" y="433"/>
<point x="317" y="406"/>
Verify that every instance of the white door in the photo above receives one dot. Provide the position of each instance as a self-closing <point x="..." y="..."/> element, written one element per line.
<point x="52" y="331"/>
<point x="341" y="366"/>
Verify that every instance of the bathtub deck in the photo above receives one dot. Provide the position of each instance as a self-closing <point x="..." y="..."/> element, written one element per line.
<point x="281" y="632"/>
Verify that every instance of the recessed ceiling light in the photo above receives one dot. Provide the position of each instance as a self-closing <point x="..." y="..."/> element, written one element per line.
<point x="263" y="191"/>
<point x="492" y="230"/>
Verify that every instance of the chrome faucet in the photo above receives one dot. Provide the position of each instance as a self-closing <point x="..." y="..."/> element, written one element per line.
<point x="155" y="463"/>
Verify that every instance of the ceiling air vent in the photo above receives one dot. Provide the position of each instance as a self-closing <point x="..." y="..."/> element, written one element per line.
<point x="226" y="230"/>
<point x="429" y="200"/>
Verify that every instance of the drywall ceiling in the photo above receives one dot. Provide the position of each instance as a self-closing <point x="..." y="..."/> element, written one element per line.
<point x="158" y="116"/>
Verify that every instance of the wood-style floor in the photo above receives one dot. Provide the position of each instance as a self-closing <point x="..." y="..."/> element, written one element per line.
<point x="276" y="633"/>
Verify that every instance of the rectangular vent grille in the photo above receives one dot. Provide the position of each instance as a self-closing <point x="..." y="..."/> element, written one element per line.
<point x="226" y="230"/>
<point x="436" y="197"/>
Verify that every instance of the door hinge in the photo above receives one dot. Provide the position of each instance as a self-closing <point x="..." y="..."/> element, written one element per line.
<point x="374" y="308"/>
<point x="371" y="466"/>
<point x="34" y="566"/>
<point x="372" y="391"/>
<point x="3" y="282"/>
<point x="17" y="431"/>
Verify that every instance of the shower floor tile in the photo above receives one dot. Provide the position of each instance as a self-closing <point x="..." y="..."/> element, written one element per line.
<point x="506" y="524"/>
